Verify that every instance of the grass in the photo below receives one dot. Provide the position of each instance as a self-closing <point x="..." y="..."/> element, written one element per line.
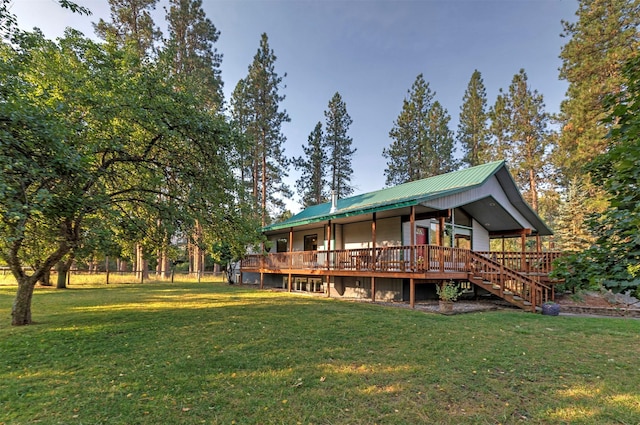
<point x="210" y="353"/>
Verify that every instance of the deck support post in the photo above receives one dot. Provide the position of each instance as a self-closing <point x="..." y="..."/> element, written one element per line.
<point x="261" y="280"/>
<point x="289" y="282"/>
<point x="412" y="293"/>
<point x="328" y="263"/>
<point x="373" y="243"/>
<point x="412" y="240"/>
<point x="373" y="289"/>
<point x="328" y="286"/>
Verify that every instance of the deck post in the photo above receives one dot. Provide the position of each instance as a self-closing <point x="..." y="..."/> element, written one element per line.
<point x="373" y="289"/>
<point x="373" y="245"/>
<point x="412" y="293"/>
<point x="328" y="263"/>
<point x="412" y="241"/>
<point x="261" y="280"/>
<point x="290" y="249"/>
<point x="328" y="287"/>
<point x="289" y="282"/>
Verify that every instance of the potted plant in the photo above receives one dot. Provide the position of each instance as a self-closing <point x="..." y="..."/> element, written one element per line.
<point x="448" y="293"/>
<point x="550" y="308"/>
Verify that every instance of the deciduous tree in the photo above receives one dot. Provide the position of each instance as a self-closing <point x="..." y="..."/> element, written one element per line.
<point x="88" y="129"/>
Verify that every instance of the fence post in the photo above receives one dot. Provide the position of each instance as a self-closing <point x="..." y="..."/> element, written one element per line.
<point x="198" y="274"/>
<point x="172" y="273"/>
<point x="107" y="276"/>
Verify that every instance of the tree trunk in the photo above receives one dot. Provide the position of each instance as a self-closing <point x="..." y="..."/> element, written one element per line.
<point x="46" y="278"/>
<point x="21" y="310"/>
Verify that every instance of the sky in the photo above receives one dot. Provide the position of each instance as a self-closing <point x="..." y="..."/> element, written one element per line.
<point x="370" y="51"/>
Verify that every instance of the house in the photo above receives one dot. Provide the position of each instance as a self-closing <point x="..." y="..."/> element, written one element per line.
<point x="398" y="243"/>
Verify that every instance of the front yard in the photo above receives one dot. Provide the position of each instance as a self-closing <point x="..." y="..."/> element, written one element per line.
<point x="210" y="353"/>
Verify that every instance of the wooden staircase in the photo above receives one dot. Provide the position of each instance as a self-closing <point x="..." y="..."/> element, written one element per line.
<point x="510" y="285"/>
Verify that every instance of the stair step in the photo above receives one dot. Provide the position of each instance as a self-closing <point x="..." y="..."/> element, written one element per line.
<point x="526" y="303"/>
<point x="518" y="298"/>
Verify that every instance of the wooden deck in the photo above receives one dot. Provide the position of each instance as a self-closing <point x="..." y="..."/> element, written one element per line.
<point x="521" y="278"/>
<point x="400" y="261"/>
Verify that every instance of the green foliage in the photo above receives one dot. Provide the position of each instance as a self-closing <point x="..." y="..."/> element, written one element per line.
<point x="422" y="143"/>
<point x="572" y="233"/>
<point x="256" y="112"/>
<point x="576" y="273"/>
<point x="448" y="291"/>
<point x="605" y="35"/>
<point x="520" y="135"/>
<point x="472" y="127"/>
<point x="616" y="253"/>
<point x="312" y="184"/>
<point x="90" y="133"/>
<point x="131" y="26"/>
<point x="339" y="146"/>
<point x="190" y="51"/>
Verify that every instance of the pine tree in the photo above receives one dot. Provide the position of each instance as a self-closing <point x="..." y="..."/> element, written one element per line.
<point x="405" y="155"/>
<point x="605" y="36"/>
<point x="521" y="132"/>
<point x="131" y="23"/>
<point x="472" y="126"/>
<point x="500" y="122"/>
<point x="439" y="142"/>
<point x="312" y="184"/>
<point x="258" y="101"/>
<point x="572" y="233"/>
<point x="191" y="52"/>
<point x="338" y="143"/>
<point x="422" y="143"/>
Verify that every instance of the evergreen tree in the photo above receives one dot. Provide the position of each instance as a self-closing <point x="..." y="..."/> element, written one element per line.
<point x="405" y="155"/>
<point x="572" y="233"/>
<point x="190" y="50"/>
<point x="605" y="36"/>
<point x="472" y="126"/>
<point x="500" y="122"/>
<point x="614" y="259"/>
<point x="439" y="142"/>
<point x="338" y="143"/>
<point x="402" y="154"/>
<point x="521" y="131"/>
<point x="257" y="100"/>
<point x="422" y="143"/>
<point x="312" y="184"/>
<point x="131" y="23"/>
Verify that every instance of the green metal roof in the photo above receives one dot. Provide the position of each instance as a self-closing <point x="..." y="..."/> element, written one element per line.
<point x="403" y="195"/>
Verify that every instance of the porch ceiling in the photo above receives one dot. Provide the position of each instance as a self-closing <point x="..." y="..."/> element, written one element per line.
<point x="490" y="214"/>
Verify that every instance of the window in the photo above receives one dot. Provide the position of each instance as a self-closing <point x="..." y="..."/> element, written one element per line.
<point x="311" y="242"/>
<point x="281" y="245"/>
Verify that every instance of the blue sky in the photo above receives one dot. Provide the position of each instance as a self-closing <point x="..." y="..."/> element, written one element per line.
<point x="371" y="52"/>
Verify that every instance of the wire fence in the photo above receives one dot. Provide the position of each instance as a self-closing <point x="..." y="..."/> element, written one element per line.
<point x="76" y="277"/>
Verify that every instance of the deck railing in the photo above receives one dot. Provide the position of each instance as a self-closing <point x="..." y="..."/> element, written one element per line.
<point x="417" y="258"/>
<point x="524" y="262"/>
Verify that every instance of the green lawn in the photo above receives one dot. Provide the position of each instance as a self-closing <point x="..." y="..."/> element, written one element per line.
<point x="189" y="353"/>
